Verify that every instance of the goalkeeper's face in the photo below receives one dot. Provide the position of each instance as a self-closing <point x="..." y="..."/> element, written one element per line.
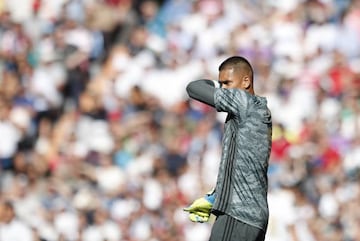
<point x="232" y="77"/>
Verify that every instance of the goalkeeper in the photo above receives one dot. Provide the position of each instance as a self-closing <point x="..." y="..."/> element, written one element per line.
<point x="239" y="200"/>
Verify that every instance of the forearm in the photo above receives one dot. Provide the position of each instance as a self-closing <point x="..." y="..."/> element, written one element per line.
<point x="202" y="90"/>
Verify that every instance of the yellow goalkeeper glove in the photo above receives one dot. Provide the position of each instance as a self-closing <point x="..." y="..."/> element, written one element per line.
<point x="199" y="217"/>
<point x="200" y="209"/>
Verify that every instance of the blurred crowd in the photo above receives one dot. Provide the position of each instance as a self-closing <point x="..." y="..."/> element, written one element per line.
<point x="99" y="140"/>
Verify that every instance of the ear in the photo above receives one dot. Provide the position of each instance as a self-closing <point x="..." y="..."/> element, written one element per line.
<point x="246" y="83"/>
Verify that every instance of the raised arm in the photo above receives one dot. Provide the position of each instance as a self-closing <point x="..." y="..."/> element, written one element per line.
<point x="202" y="90"/>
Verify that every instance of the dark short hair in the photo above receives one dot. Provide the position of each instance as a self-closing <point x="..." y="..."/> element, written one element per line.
<point x="8" y="204"/>
<point x="237" y="61"/>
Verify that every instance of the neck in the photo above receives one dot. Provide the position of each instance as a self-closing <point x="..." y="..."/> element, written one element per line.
<point x="251" y="91"/>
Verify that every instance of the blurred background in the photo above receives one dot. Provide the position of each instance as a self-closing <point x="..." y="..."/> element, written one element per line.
<point x="100" y="142"/>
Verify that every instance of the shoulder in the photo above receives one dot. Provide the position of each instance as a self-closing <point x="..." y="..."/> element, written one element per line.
<point x="232" y="93"/>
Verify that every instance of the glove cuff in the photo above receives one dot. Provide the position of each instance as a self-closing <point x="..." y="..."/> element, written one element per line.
<point x="210" y="196"/>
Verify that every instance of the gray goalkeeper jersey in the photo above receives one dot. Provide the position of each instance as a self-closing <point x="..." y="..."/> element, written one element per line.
<point x="241" y="188"/>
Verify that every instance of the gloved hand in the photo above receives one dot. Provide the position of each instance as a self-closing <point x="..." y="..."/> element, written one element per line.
<point x="199" y="217"/>
<point x="200" y="209"/>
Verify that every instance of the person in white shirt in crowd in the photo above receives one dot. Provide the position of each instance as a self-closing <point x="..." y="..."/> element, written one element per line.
<point x="12" y="228"/>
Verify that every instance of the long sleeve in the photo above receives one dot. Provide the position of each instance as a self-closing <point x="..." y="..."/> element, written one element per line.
<point x="202" y="90"/>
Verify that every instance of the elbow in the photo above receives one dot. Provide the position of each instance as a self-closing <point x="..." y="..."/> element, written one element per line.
<point x="194" y="86"/>
<point x="189" y="89"/>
